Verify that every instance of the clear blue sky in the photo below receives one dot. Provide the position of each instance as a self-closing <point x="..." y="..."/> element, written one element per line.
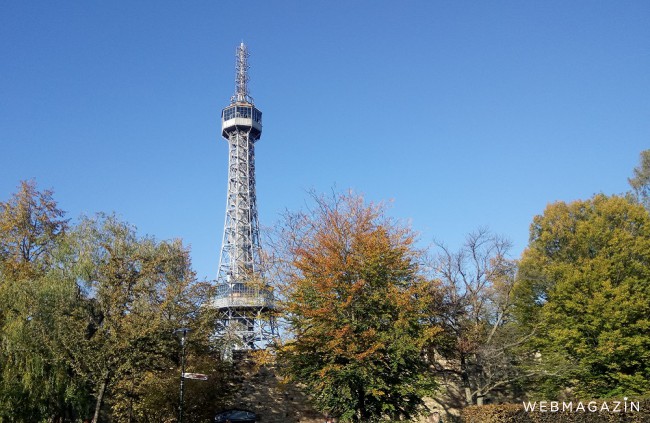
<point x="464" y="113"/>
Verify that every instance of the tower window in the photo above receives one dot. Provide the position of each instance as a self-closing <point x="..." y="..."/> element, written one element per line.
<point x="229" y="113"/>
<point x="243" y="112"/>
<point x="257" y="116"/>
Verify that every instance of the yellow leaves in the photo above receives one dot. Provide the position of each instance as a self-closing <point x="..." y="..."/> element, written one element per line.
<point x="430" y="333"/>
<point x="370" y="352"/>
<point x="262" y="358"/>
<point x="31" y="226"/>
<point x="339" y="340"/>
<point x="377" y="393"/>
<point x="329" y="368"/>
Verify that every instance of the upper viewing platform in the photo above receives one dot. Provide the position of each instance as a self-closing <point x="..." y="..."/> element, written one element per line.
<point x="241" y="115"/>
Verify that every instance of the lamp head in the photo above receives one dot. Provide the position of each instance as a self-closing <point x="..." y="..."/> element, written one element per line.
<point x="182" y="332"/>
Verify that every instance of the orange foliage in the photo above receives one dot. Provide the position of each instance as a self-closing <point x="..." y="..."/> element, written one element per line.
<point x="357" y="300"/>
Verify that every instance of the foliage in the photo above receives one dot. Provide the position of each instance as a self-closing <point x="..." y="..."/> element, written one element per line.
<point x="640" y="183"/>
<point x="502" y="413"/>
<point x="35" y="383"/>
<point x="31" y="225"/>
<point x="138" y="291"/>
<point x="355" y="300"/>
<point x="155" y="396"/>
<point x="585" y="282"/>
<point x="87" y="320"/>
<point x="483" y="343"/>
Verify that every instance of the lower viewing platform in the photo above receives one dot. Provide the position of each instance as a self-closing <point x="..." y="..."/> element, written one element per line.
<point x="241" y="295"/>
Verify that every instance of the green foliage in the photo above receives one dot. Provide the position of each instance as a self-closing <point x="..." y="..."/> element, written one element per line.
<point x="138" y="291"/>
<point x="154" y="397"/>
<point x="585" y="281"/>
<point x="640" y="183"/>
<point x="356" y="301"/>
<point x="87" y="320"/>
<point x="35" y="382"/>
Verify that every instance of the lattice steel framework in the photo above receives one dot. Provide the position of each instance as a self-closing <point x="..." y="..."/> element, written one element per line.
<point x="244" y="299"/>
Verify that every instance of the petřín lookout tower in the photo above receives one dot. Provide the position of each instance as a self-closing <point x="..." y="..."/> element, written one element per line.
<point x="243" y="298"/>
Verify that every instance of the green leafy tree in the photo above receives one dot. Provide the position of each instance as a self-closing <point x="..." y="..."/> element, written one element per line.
<point x="585" y="282"/>
<point x="138" y="290"/>
<point x="356" y="301"/>
<point x="87" y="318"/>
<point x="35" y="384"/>
<point x="640" y="183"/>
<point x="135" y="291"/>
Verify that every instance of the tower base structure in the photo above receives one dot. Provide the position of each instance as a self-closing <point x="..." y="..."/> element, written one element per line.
<point x="246" y="320"/>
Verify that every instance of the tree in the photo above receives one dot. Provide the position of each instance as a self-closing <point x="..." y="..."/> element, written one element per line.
<point x="585" y="282"/>
<point x="87" y="320"/>
<point x="640" y="183"/>
<point x="356" y="301"/>
<point x="482" y="340"/>
<point x="31" y="225"/>
<point x="137" y="291"/>
<point x="34" y="384"/>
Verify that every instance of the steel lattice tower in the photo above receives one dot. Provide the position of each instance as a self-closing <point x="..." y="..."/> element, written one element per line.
<point x="244" y="299"/>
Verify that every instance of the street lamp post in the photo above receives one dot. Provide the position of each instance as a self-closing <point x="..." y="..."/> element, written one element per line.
<point x="182" y="333"/>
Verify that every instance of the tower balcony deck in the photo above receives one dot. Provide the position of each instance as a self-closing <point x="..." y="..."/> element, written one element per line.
<point x="242" y="296"/>
<point x="241" y="115"/>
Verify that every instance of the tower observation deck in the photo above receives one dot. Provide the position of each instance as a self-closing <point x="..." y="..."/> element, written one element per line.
<point x="243" y="297"/>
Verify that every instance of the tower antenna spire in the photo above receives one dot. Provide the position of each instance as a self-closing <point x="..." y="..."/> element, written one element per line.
<point x="241" y="76"/>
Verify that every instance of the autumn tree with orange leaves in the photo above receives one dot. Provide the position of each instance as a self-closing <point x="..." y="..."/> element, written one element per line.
<point x="355" y="300"/>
